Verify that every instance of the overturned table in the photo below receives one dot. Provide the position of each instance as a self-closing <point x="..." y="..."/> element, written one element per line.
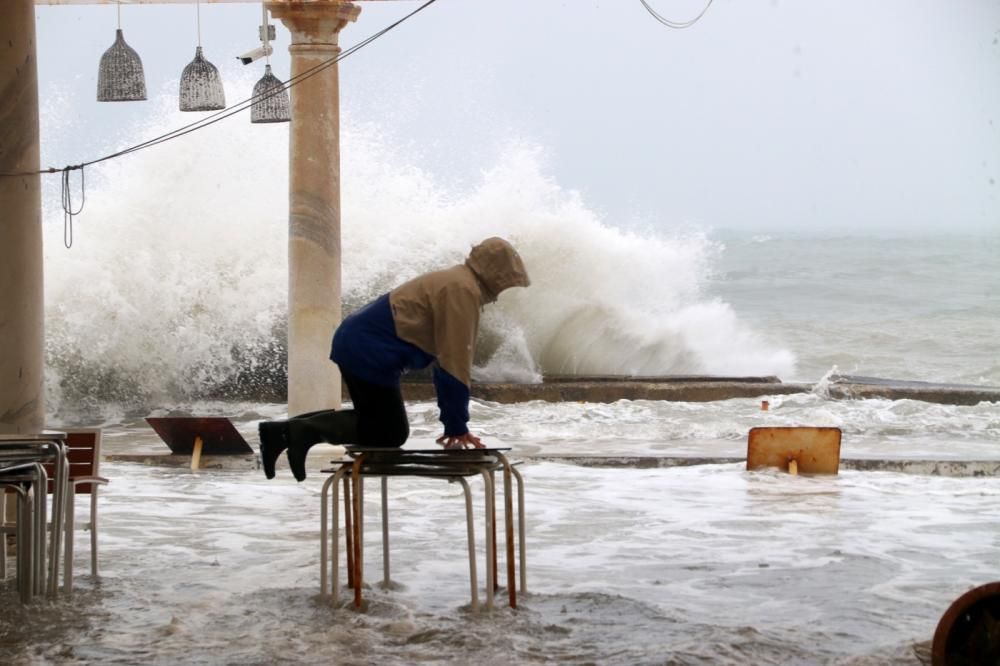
<point x="453" y="465"/>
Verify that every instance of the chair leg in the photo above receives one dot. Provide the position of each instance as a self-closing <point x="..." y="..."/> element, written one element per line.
<point x="3" y="535"/>
<point x="93" y="530"/>
<point x="70" y="526"/>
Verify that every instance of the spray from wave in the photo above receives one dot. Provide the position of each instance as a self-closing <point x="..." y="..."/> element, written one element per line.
<point x="175" y="288"/>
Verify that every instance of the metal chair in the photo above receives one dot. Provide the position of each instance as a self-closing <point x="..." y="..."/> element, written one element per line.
<point x="28" y="481"/>
<point x="83" y="450"/>
<point x="82" y="454"/>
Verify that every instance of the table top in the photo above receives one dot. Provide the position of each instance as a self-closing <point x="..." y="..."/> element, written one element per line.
<point x="438" y="451"/>
<point x="421" y="462"/>
<point x="8" y="436"/>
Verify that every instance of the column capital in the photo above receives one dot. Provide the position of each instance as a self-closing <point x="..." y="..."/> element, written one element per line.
<point x="314" y="21"/>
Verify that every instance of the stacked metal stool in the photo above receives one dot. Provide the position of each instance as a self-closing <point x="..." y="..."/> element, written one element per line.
<point x="22" y="470"/>
<point x="453" y="465"/>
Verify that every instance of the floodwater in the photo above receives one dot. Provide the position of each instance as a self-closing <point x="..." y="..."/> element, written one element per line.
<point x="688" y="565"/>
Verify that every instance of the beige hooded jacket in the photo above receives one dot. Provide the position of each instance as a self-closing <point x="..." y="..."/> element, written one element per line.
<point x="439" y="311"/>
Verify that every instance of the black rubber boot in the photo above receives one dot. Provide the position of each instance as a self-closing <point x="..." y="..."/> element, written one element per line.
<point x="273" y="441"/>
<point x="305" y="430"/>
<point x="297" y="458"/>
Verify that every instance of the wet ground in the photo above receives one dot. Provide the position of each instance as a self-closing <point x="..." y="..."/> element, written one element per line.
<point x="707" y="564"/>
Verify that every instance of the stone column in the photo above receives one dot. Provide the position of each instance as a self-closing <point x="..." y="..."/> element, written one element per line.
<point x="22" y="334"/>
<point x="314" y="200"/>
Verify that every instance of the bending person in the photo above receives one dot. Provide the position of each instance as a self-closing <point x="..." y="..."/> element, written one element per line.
<point x="433" y="318"/>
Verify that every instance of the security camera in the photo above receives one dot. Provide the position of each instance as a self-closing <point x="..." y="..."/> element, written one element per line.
<point x="256" y="54"/>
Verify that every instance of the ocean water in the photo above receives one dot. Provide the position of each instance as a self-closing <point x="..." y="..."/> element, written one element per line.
<point x="177" y="308"/>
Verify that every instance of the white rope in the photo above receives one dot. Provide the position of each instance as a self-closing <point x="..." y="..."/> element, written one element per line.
<point x="677" y="25"/>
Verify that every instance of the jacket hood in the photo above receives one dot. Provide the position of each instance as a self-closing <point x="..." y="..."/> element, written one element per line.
<point x="498" y="266"/>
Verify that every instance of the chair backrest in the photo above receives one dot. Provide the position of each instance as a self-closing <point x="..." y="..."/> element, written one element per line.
<point x="83" y="449"/>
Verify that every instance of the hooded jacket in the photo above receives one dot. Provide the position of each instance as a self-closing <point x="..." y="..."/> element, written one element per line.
<point x="434" y="316"/>
<point x="439" y="312"/>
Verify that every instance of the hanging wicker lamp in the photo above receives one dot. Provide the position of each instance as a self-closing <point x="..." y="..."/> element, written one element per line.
<point x="201" y="86"/>
<point x="270" y="100"/>
<point x="120" y="77"/>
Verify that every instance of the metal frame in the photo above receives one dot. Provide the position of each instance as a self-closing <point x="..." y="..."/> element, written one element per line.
<point x="453" y="466"/>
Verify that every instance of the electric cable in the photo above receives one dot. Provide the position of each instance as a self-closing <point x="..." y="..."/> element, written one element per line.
<point x="229" y="111"/>
<point x="67" y="200"/>
<point x="677" y="25"/>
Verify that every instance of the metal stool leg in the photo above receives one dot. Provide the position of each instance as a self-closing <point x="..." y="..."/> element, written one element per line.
<point x="3" y="544"/>
<point x="386" y="583"/>
<point x="358" y="535"/>
<point x="323" y="531"/>
<point x="522" y="544"/>
<point x="490" y="545"/>
<point x="39" y="507"/>
<point x="471" y="530"/>
<point x="349" y="530"/>
<point x="59" y="501"/>
<point x="493" y="520"/>
<point x="26" y="543"/>
<point x="334" y="504"/>
<point x="508" y="516"/>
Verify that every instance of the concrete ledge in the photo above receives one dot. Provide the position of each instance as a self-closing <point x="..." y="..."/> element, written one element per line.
<point x="705" y="389"/>
<point x="863" y="388"/>
<point x="612" y="390"/>
<point x="958" y="468"/>
<point x="231" y="463"/>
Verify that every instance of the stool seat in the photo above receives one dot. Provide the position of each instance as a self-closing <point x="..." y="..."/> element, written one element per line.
<point x="450" y="464"/>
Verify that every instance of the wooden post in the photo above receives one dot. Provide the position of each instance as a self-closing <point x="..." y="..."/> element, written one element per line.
<point x="196" y="453"/>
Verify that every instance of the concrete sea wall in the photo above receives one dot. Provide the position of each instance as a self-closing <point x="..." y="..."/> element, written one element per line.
<point x="704" y="389"/>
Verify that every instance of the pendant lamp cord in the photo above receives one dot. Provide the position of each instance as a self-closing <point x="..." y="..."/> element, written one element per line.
<point x="67" y="202"/>
<point x="198" y="9"/>
<point x="119" y="6"/>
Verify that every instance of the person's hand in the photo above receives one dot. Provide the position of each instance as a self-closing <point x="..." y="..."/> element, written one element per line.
<point x="466" y="441"/>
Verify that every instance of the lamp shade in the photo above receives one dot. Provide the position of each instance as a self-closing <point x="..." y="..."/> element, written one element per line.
<point x="120" y="77"/>
<point x="201" y="86"/>
<point x="270" y="100"/>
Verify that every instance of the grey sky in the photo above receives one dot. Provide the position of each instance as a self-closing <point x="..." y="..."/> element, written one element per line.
<point x="813" y="115"/>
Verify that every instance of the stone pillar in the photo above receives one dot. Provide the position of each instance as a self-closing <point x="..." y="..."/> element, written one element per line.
<point x="22" y="334"/>
<point x="314" y="200"/>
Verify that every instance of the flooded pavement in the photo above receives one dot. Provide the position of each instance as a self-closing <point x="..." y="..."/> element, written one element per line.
<point x="695" y="565"/>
